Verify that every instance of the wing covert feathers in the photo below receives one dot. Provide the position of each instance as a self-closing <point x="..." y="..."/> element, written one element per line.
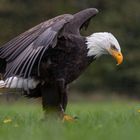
<point x="22" y="52"/>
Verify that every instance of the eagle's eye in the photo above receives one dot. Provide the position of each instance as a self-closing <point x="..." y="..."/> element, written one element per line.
<point x="113" y="47"/>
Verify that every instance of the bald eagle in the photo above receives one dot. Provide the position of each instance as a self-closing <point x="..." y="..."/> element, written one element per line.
<point x="45" y="59"/>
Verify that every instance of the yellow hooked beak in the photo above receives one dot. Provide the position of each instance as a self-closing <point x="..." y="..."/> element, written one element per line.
<point x="117" y="55"/>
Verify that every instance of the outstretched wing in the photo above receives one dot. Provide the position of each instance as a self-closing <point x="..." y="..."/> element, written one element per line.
<point x="22" y="52"/>
<point x="80" y="19"/>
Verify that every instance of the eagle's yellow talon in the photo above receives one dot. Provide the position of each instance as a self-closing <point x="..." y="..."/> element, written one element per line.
<point x="67" y="118"/>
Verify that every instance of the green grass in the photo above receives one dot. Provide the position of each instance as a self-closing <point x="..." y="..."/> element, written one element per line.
<point x="97" y="121"/>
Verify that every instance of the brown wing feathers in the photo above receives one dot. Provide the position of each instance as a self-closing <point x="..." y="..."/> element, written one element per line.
<point x="22" y="52"/>
<point x="80" y="20"/>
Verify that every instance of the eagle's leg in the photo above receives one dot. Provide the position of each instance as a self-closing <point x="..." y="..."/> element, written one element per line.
<point x="63" y="99"/>
<point x="50" y="100"/>
<point x="54" y="100"/>
<point x="62" y="93"/>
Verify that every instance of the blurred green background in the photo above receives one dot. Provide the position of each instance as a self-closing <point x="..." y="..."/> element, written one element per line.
<point x="121" y="17"/>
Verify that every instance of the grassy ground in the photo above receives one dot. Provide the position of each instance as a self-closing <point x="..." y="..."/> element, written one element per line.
<point x="97" y="121"/>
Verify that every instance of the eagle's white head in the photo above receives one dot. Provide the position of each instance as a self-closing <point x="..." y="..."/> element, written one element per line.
<point x="104" y="43"/>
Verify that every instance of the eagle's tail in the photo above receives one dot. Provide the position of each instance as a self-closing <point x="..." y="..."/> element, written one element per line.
<point x="2" y="84"/>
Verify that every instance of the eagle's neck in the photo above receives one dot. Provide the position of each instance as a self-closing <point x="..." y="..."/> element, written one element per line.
<point x="97" y="44"/>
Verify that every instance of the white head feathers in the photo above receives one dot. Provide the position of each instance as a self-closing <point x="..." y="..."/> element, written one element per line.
<point x="100" y="43"/>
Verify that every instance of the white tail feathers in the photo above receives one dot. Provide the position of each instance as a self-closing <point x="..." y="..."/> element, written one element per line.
<point x="2" y="84"/>
<point x="21" y="83"/>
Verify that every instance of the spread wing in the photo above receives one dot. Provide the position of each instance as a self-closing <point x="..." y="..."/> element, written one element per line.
<point x="22" y="52"/>
<point x="80" y="20"/>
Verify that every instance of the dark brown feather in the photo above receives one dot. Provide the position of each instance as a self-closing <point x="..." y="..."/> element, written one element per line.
<point x="80" y="20"/>
<point x="16" y="52"/>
